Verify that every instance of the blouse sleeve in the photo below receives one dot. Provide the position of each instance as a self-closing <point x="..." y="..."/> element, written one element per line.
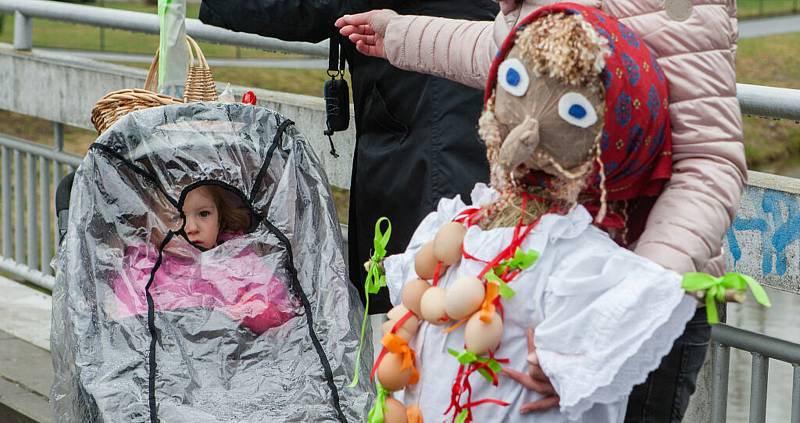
<point x="609" y="318"/>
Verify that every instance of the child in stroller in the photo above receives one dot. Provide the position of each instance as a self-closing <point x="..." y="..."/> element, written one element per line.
<point x="241" y="287"/>
<point x="155" y="319"/>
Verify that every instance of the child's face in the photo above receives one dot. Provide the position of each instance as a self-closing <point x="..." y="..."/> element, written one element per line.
<point x="202" y="218"/>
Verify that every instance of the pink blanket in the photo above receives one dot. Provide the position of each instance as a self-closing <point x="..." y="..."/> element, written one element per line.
<point x="242" y="287"/>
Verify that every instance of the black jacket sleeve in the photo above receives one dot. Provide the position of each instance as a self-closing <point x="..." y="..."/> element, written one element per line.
<point x="290" y="20"/>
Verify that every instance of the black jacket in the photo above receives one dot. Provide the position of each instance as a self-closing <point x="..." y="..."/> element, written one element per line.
<point x="416" y="134"/>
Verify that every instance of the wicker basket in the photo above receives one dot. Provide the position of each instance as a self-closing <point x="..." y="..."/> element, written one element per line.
<point x="199" y="86"/>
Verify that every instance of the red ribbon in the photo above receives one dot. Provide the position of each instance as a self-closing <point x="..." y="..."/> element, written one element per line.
<point x="467" y="215"/>
<point x="436" y="272"/>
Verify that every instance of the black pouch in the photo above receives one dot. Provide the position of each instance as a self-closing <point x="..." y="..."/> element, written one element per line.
<point x="337" y="94"/>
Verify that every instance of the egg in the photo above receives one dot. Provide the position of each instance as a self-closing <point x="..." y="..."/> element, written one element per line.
<point x="408" y="329"/>
<point x="389" y="374"/>
<point x="394" y="411"/>
<point x="425" y="262"/>
<point x="412" y="295"/>
<point x="464" y="297"/>
<point x="402" y="331"/>
<point x="447" y="243"/>
<point x="480" y="337"/>
<point x="432" y="306"/>
<point x="397" y="312"/>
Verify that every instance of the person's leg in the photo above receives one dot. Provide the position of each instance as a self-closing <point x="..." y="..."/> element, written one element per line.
<point x="664" y="396"/>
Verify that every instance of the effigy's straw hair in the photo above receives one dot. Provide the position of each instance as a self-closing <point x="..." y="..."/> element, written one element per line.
<point x="564" y="47"/>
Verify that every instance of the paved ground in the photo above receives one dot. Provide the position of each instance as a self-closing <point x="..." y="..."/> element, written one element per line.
<point x="26" y="370"/>
<point x="769" y="26"/>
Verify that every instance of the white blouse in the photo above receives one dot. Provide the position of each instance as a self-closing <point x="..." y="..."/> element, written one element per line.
<point x="603" y="318"/>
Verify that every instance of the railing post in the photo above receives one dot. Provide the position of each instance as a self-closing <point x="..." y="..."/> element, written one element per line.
<point x="796" y="395"/>
<point x="7" y="234"/>
<point x="44" y="199"/>
<point x="720" y="360"/>
<point x="758" y="389"/>
<point x="23" y="32"/>
<point x="19" y="207"/>
<point x="33" y="222"/>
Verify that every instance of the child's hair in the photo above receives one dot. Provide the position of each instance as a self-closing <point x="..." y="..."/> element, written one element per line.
<point x="234" y="215"/>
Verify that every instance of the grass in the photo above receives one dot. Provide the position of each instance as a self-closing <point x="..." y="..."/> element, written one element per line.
<point x="756" y="8"/>
<point x="771" y="145"/>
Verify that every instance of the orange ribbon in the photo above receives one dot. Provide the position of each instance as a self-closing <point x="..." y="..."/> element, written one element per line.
<point x="414" y="414"/>
<point x="487" y="308"/>
<point x="398" y="345"/>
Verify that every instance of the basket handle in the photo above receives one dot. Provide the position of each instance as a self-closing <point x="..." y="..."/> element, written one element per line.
<point x="195" y="53"/>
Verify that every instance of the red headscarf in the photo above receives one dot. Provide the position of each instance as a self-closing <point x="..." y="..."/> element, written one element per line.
<point x="636" y="143"/>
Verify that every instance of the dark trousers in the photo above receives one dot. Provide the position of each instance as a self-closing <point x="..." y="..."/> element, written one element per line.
<point x="664" y="396"/>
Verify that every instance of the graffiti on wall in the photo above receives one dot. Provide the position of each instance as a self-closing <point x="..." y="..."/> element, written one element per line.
<point x="764" y="239"/>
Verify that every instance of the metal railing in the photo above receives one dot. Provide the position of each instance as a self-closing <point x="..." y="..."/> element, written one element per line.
<point x="31" y="172"/>
<point x="762" y="348"/>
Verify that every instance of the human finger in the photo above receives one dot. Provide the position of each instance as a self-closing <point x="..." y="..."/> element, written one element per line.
<point x="369" y="50"/>
<point x="540" y="405"/>
<point x="367" y="39"/>
<point x="537" y="373"/>
<point x="528" y="382"/>
<point x="348" y="30"/>
<point x="355" y="19"/>
<point x="531" y="342"/>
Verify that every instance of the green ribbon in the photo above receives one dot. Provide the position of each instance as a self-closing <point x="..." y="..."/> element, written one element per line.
<point x="163" y="6"/>
<point x="505" y="290"/>
<point x="464" y="357"/>
<point x="715" y="289"/>
<point x="521" y="261"/>
<point x="376" y="279"/>
<point x="467" y="357"/>
<point x="462" y="417"/>
<point x="376" y="414"/>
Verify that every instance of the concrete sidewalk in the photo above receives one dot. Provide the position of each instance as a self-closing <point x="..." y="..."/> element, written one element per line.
<point x="753" y="28"/>
<point x="26" y="370"/>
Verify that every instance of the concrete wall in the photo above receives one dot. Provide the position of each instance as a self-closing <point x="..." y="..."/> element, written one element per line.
<point x="764" y="240"/>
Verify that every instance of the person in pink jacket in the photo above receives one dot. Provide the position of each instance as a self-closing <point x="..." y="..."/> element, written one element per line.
<point x="236" y="283"/>
<point x="695" y="42"/>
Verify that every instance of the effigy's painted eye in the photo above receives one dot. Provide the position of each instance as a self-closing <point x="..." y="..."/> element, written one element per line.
<point x="513" y="77"/>
<point x="577" y="110"/>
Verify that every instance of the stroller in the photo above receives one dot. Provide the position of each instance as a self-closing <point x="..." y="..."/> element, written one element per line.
<point x="200" y="363"/>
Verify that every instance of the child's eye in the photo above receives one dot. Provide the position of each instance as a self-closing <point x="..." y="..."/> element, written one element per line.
<point x="205" y="213"/>
<point x="577" y="110"/>
<point x="513" y="77"/>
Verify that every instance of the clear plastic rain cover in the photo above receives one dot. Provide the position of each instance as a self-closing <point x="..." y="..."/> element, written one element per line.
<point x="260" y="327"/>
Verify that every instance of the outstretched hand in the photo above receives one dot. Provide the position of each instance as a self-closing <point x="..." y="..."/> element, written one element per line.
<point x="366" y="30"/>
<point x="534" y="380"/>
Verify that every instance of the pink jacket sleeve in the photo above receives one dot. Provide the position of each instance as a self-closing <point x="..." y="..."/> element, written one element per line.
<point x="459" y="50"/>
<point x="455" y="49"/>
<point x="685" y="229"/>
